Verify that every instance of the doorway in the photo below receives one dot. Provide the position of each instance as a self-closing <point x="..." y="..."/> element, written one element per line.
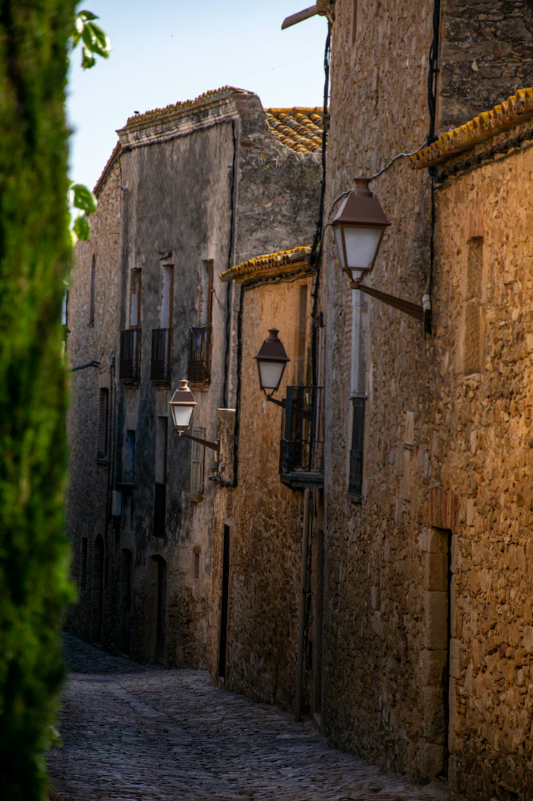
<point x="161" y="613"/>
<point x="97" y="590"/>
<point x="224" y="606"/>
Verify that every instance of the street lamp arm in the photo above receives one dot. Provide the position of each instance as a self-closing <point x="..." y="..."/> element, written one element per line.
<point x="281" y="403"/>
<point x="402" y="305"/>
<point x="213" y="445"/>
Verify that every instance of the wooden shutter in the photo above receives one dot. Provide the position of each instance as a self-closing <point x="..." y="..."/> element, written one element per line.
<point x="197" y="463"/>
<point x="103" y="416"/>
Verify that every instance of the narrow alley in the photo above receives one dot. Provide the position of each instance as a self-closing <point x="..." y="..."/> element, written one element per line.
<point x="133" y="732"/>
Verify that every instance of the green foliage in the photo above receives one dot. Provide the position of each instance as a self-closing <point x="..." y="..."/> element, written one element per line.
<point x="94" y="41"/>
<point x="35" y="253"/>
<point x="82" y="199"/>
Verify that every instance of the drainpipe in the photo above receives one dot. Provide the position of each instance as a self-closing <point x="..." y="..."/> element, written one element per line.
<point x="303" y="605"/>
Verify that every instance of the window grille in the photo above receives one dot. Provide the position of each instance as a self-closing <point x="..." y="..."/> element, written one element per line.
<point x="129" y="354"/>
<point x="199" y="354"/>
<point x="160" y="364"/>
<point x="197" y="463"/>
<point x="355" y="481"/>
<point x="302" y="446"/>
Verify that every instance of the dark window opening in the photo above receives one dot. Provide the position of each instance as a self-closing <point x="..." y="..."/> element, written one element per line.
<point x="355" y="481"/>
<point x="103" y="424"/>
<point x="160" y="510"/>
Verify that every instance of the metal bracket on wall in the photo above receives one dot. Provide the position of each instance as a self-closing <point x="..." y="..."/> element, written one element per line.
<point x="205" y="442"/>
<point x="412" y="309"/>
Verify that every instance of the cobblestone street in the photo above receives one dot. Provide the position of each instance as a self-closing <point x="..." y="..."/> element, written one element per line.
<point x="132" y="732"/>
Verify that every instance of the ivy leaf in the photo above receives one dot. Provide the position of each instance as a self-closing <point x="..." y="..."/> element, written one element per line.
<point x="82" y="227"/>
<point x="82" y="198"/>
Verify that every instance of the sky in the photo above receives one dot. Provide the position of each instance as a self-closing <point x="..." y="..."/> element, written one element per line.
<point x="165" y="51"/>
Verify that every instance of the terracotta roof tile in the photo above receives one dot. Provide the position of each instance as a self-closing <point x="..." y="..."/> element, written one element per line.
<point x="297" y="128"/>
<point x="266" y="263"/>
<point x="518" y="108"/>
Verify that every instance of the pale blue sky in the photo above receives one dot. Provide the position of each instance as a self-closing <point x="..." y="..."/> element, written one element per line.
<point x="166" y="51"/>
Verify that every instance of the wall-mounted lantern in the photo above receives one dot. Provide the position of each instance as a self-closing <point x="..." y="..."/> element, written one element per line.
<point x="271" y="362"/>
<point x="359" y="227"/>
<point x="182" y="408"/>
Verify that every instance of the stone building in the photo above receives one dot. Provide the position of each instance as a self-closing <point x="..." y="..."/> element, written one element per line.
<point x="263" y="641"/>
<point x="426" y="619"/>
<point x="189" y="191"/>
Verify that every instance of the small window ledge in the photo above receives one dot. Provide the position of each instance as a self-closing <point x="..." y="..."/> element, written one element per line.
<point x="355" y="498"/>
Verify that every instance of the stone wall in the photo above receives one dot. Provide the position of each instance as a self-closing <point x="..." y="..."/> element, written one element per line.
<point x="481" y="450"/>
<point x="486" y="55"/>
<point x="374" y="596"/>
<point x="201" y="184"/>
<point x="87" y="507"/>
<point x="263" y="515"/>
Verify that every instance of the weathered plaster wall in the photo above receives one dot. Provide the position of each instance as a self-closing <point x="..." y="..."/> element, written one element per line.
<point x="265" y="519"/>
<point x="87" y="495"/>
<point x="481" y="434"/>
<point x="374" y="597"/>
<point x="486" y="55"/>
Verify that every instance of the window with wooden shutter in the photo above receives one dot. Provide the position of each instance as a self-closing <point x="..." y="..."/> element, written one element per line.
<point x="355" y="481"/>
<point x="135" y="298"/>
<point x="197" y="463"/>
<point x="103" y="419"/>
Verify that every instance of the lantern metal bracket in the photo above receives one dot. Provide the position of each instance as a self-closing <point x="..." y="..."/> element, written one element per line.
<point x="281" y="403"/>
<point x="215" y="446"/>
<point x="412" y="309"/>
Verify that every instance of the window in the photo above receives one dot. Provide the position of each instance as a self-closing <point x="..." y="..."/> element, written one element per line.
<point x="196" y="564"/>
<point x="83" y="565"/>
<point x="197" y="463"/>
<point x="103" y="424"/>
<point x="135" y="298"/>
<point x="93" y="291"/>
<point x="129" y="457"/>
<point x="355" y="481"/>
<point x="167" y="283"/>
<point x="473" y="334"/>
<point x="161" y="450"/>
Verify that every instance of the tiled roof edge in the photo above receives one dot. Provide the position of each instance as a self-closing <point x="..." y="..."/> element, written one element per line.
<point x="107" y="169"/>
<point x="185" y="105"/>
<point x="259" y="264"/>
<point x="516" y="109"/>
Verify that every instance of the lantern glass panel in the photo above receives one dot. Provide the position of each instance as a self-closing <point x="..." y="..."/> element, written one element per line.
<point x="270" y="374"/>
<point x="181" y="416"/>
<point x="361" y="246"/>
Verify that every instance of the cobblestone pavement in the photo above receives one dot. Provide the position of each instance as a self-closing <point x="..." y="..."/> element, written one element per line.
<point x="141" y="733"/>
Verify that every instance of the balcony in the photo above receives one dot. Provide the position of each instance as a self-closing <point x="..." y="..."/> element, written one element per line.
<point x="160" y="362"/>
<point x="199" y="354"/>
<point x="302" y="444"/>
<point x="129" y="369"/>
<point x="160" y="510"/>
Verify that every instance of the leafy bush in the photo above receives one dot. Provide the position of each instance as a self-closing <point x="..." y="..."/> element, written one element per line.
<point x="35" y="253"/>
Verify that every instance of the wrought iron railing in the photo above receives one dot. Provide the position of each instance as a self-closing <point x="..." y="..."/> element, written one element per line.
<point x="160" y="362"/>
<point x="130" y="341"/>
<point x="160" y="510"/>
<point x="355" y="480"/>
<point x="302" y="444"/>
<point x="199" y="354"/>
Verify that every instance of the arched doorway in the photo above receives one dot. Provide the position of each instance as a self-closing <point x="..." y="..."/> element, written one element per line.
<point x="97" y="590"/>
